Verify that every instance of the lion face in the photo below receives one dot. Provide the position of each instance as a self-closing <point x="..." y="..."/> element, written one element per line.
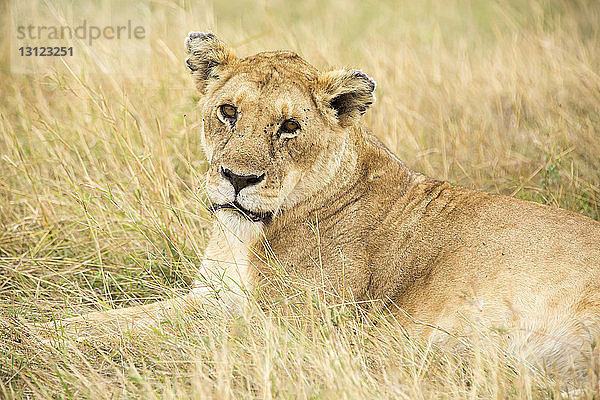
<point x="273" y="129"/>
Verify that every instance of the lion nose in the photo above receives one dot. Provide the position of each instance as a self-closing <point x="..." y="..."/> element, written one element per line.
<point x="240" y="181"/>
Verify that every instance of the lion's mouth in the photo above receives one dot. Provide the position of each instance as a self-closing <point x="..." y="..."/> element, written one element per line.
<point x="251" y="215"/>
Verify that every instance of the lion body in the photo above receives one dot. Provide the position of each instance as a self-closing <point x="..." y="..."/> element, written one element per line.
<point x="345" y="214"/>
<point x="352" y="218"/>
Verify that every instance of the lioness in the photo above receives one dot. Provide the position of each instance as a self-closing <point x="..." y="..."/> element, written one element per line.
<point x="293" y="177"/>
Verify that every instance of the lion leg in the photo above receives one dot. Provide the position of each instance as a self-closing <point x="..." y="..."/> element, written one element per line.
<point x="130" y="319"/>
<point x="222" y="286"/>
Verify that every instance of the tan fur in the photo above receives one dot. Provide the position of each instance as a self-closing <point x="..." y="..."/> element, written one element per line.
<point x="347" y="214"/>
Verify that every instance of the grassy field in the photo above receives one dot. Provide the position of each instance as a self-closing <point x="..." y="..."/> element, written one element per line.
<point x="102" y="206"/>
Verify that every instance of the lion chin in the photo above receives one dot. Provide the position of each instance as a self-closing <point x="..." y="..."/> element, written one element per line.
<point x="254" y="216"/>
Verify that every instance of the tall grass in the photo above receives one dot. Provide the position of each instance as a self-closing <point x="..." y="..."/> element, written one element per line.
<point x="102" y="206"/>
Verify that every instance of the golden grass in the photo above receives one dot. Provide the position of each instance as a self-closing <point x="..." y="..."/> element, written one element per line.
<point x="101" y="201"/>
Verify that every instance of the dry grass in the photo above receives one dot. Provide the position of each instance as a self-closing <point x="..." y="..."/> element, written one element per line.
<point x="101" y="201"/>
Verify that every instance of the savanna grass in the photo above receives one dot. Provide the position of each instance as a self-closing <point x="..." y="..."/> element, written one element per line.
<point x="101" y="200"/>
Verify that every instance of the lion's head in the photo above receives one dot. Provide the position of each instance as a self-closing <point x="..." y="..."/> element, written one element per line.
<point x="274" y="129"/>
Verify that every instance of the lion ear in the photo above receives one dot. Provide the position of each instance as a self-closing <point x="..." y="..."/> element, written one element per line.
<point x="206" y="54"/>
<point x="348" y="92"/>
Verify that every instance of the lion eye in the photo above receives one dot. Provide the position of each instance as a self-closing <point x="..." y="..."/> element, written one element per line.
<point x="289" y="126"/>
<point x="228" y="111"/>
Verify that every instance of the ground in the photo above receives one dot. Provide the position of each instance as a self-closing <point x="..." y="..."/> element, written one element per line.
<point x="101" y="200"/>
